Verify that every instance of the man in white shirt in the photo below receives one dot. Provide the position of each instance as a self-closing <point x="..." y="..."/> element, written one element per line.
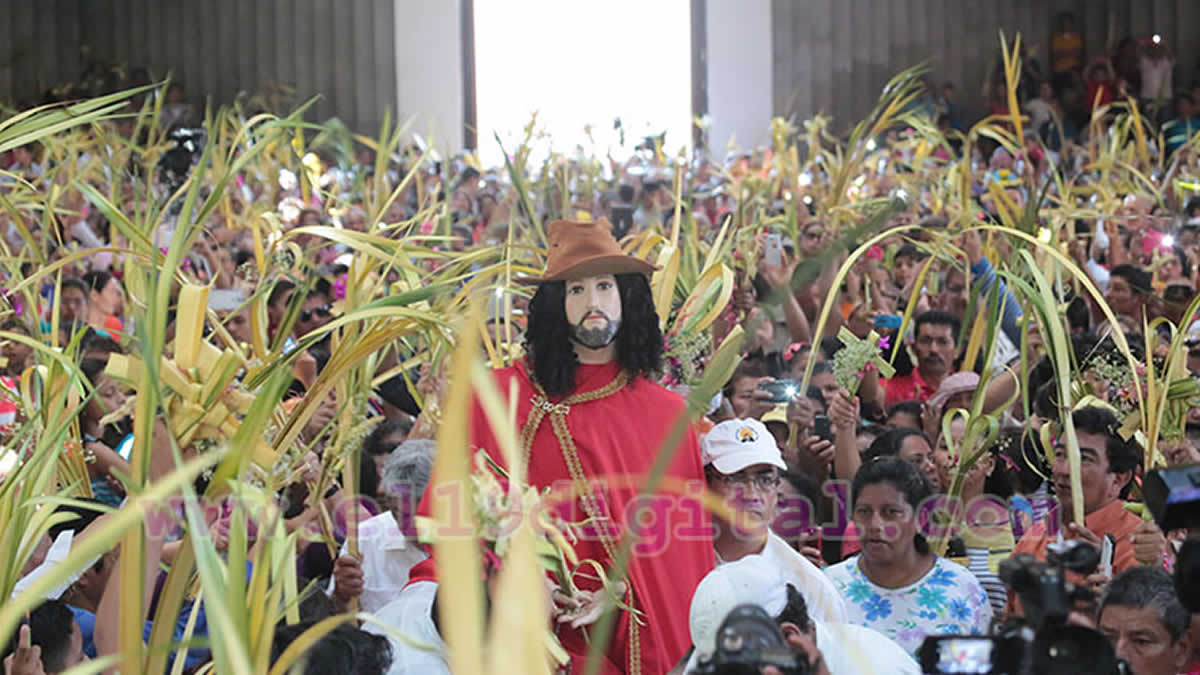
<point x="834" y="648"/>
<point x="1156" y="66"/>
<point x="410" y="614"/>
<point x="387" y="553"/>
<point x="742" y="464"/>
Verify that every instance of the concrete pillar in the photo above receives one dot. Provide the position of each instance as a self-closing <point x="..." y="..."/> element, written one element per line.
<point x="429" y="70"/>
<point x="739" y="73"/>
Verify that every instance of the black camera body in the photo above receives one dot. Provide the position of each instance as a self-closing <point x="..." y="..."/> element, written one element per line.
<point x="1042" y="643"/>
<point x="1173" y="497"/>
<point x="748" y="641"/>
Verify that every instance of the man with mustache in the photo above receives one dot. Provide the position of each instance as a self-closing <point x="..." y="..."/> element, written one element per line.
<point x="592" y="421"/>
<point x="935" y="343"/>
<point x="1107" y="465"/>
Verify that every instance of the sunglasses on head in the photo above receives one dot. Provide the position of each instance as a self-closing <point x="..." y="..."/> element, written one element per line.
<point x="322" y="311"/>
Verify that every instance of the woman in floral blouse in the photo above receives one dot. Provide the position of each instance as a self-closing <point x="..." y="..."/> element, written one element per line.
<point x="897" y="586"/>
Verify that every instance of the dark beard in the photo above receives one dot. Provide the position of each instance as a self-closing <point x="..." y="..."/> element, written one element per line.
<point x="596" y="338"/>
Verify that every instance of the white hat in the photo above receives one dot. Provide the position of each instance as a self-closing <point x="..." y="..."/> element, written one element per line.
<point x="752" y="580"/>
<point x="734" y="445"/>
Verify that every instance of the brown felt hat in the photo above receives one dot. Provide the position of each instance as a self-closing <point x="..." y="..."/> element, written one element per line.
<point x="580" y="250"/>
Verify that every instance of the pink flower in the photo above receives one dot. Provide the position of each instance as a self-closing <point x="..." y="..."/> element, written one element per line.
<point x="339" y="287"/>
<point x="792" y="350"/>
<point x="492" y="559"/>
<point x="427" y="227"/>
<point x="885" y="342"/>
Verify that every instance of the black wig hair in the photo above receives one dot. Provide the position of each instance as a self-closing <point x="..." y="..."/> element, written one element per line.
<point x="551" y="355"/>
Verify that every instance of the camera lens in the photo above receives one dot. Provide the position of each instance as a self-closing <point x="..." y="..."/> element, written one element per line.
<point x="1072" y="649"/>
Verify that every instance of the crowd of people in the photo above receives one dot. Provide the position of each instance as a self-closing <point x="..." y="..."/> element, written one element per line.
<point x="827" y="475"/>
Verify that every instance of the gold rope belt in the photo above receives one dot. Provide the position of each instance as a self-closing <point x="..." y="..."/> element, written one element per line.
<point x="558" y="421"/>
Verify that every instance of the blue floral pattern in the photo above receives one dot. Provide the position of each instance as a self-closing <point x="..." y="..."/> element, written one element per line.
<point x="948" y="600"/>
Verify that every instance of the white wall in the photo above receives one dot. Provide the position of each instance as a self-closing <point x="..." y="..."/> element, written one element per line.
<point x="429" y="82"/>
<point x="739" y="73"/>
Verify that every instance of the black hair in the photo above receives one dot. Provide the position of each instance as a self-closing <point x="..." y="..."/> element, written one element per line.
<point x="625" y="192"/>
<point x="1151" y="587"/>
<point x="909" y="251"/>
<point x="395" y="392"/>
<point x="1086" y="350"/>
<point x="313" y="604"/>
<point x="1179" y="294"/>
<point x="344" y="649"/>
<point x="936" y="317"/>
<point x="1045" y="399"/>
<point x="322" y="287"/>
<point x="81" y="517"/>
<point x="830" y="345"/>
<point x="870" y="411"/>
<point x="795" y="611"/>
<point x="242" y="256"/>
<point x="804" y="485"/>
<point x="92" y="369"/>
<point x="822" y="367"/>
<point x="1002" y="481"/>
<point x="1192" y="432"/>
<point x="1185" y="265"/>
<point x="96" y="280"/>
<point x="903" y="476"/>
<point x="814" y="394"/>
<point x="50" y="626"/>
<point x="78" y="284"/>
<point x="280" y="289"/>
<point x="888" y="443"/>
<point x="1138" y="279"/>
<point x="94" y="341"/>
<point x="748" y="368"/>
<point x="1190" y="208"/>
<point x="551" y="355"/>
<point x="1079" y="317"/>
<point x="906" y="478"/>
<point x="374" y="444"/>
<point x="1123" y="456"/>
<point x="1020" y="450"/>
<point x="905" y="408"/>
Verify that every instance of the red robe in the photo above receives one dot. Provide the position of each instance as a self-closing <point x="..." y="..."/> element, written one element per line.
<point x="617" y="439"/>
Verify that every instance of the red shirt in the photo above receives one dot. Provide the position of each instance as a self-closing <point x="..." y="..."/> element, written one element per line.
<point x="906" y="388"/>
<point x="617" y="439"/>
<point x="1106" y="93"/>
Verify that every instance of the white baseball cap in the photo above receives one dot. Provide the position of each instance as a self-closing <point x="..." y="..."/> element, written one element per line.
<point x="752" y="580"/>
<point x="734" y="445"/>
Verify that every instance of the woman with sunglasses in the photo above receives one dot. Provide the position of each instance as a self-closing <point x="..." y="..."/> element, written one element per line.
<point x="897" y="585"/>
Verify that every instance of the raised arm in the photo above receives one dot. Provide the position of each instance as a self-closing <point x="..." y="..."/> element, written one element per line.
<point x="107" y="635"/>
<point x="844" y="414"/>
<point x="779" y="277"/>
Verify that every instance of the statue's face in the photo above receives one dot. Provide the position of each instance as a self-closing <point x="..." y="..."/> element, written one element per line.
<point x="593" y="306"/>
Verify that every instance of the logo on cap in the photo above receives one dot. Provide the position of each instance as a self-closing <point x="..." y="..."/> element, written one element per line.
<point x="747" y="435"/>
